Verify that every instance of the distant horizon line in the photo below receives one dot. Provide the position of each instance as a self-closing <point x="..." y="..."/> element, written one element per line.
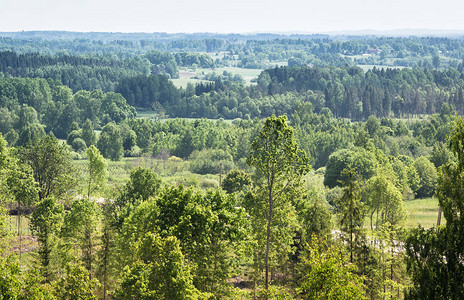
<point x="358" y="32"/>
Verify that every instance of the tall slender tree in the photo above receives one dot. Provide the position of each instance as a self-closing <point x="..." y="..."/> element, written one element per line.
<point x="351" y="209"/>
<point x="279" y="164"/>
<point x="45" y="223"/>
<point x="21" y="184"/>
<point x="97" y="169"/>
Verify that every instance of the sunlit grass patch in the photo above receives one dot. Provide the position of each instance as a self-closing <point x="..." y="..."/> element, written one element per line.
<point x="422" y="212"/>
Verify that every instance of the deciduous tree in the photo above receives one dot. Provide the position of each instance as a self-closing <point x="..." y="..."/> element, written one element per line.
<point x="51" y="164"/>
<point x="97" y="169"/>
<point x="45" y="223"/>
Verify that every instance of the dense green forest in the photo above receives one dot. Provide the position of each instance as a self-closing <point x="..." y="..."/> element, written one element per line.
<point x="118" y="182"/>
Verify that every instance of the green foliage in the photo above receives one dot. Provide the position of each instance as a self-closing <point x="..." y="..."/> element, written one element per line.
<point x="360" y="160"/>
<point x="427" y="175"/>
<point x="30" y="133"/>
<point x="143" y="91"/>
<point x="143" y="184"/>
<point x="97" y="169"/>
<point x="160" y="273"/>
<point x="73" y="135"/>
<point x="236" y="181"/>
<point x="211" y="161"/>
<point x="372" y="126"/>
<point x="88" y="134"/>
<point x="35" y="289"/>
<point x="384" y="201"/>
<point x="51" y="165"/>
<point x="326" y="273"/>
<point x="197" y="237"/>
<point x="401" y="172"/>
<point x="433" y="256"/>
<point x="45" y="223"/>
<point x="21" y="184"/>
<point x="351" y="211"/>
<point x="279" y="164"/>
<point x="10" y="281"/>
<point x="79" y="145"/>
<point x="205" y="225"/>
<point x="314" y="218"/>
<point x="75" y="284"/>
<point x="80" y="227"/>
<point x="110" y="142"/>
<point x="440" y="154"/>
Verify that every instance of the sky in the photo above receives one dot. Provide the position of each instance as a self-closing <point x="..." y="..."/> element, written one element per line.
<point x="240" y="16"/>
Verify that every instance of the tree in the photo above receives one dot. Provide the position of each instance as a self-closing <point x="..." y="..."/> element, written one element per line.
<point x="79" y="145"/>
<point x="75" y="285"/>
<point x="97" y="169"/>
<point x="51" y="164"/>
<point x="384" y="201"/>
<point x="351" y="209"/>
<point x="21" y="184"/>
<point x="10" y="281"/>
<point x="326" y="274"/>
<point x="73" y="135"/>
<point x="110" y="142"/>
<point x="80" y="226"/>
<point x="208" y="227"/>
<point x="5" y="231"/>
<point x="45" y="223"/>
<point x="106" y="253"/>
<point x="427" y="175"/>
<point x="88" y="134"/>
<point x="434" y="256"/>
<point x="280" y="164"/>
<point x="362" y="161"/>
<point x="30" y="133"/>
<point x="161" y="272"/>
<point x="235" y="181"/>
<point x="143" y="184"/>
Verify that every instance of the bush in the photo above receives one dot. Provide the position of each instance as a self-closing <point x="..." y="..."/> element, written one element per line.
<point x="209" y="183"/>
<point x="235" y="181"/>
<point x="79" y="145"/>
<point x="211" y="161"/>
<point x="73" y="135"/>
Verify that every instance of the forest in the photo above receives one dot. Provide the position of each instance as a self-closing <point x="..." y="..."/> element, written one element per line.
<point x="208" y="166"/>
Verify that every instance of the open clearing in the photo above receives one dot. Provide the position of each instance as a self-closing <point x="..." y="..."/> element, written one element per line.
<point x="422" y="212"/>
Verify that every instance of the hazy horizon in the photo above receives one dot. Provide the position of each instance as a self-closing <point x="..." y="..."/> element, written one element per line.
<point x="254" y="16"/>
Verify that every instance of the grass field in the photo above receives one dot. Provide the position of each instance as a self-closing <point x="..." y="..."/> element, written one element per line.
<point x="422" y="212"/>
<point x="183" y="82"/>
<point x="24" y="225"/>
<point x="247" y="74"/>
<point x="370" y="67"/>
<point x="149" y="114"/>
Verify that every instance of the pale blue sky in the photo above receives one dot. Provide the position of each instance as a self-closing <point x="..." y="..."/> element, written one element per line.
<point x="229" y="16"/>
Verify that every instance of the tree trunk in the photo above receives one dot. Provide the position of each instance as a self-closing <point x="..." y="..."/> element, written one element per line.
<point x="46" y="259"/>
<point x="19" y="229"/>
<point x="351" y="227"/>
<point x="439" y="216"/>
<point x="268" y="237"/>
<point x="105" y="262"/>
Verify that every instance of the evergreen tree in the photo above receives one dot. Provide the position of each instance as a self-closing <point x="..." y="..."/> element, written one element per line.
<point x="279" y="164"/>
